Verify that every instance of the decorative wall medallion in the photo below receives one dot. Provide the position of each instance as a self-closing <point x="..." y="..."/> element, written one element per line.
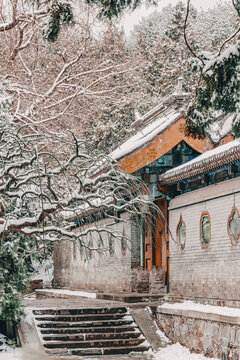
<point x="181" y="233"/>
<point x="233" y="226"/>
<point x="205" y="229"/>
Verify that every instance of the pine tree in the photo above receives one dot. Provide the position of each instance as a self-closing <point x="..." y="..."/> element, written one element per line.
<point x="218" y="93"/>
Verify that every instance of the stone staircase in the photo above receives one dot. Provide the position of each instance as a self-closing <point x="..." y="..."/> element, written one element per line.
<point x="95" y="331"/>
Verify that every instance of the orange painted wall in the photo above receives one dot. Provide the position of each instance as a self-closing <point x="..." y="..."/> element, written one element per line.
<point x="161" y="236"/>
<point x="160" y="145"/>
<point x="229" y="137"/>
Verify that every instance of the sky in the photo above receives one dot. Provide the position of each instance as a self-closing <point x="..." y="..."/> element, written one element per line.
<point x="131" y="19"/>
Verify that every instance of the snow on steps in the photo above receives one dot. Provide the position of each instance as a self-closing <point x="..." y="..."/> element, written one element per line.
<point x="94" y="331"/>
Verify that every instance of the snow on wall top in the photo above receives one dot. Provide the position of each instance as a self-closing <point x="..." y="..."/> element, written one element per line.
<point x="211" y="309"/>
<point x="203" y="159"/>
<point x="146" y="134"/>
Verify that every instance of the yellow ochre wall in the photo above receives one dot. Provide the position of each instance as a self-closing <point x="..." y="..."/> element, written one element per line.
<point x="160" y="145"/>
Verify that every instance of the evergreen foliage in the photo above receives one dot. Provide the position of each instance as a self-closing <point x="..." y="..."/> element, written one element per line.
<point x="16" y="254"/>
<point x="60" y="14"/>
<point x="114" y="8"/>
<point x="16" y="250"/>
<point x="165" y="56"/>
<point x="218" y="94"/>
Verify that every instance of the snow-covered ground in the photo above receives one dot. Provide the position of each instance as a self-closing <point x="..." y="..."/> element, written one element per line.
<point x="172" y="352"/>
<point x="177" y="352"/>
<point x="20" y="354"/>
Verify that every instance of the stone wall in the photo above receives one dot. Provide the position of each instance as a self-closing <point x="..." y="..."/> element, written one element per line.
<point x="62" y="263"/>
<point x="212" y="271"/>
<point x="213" y="335"/>
<point x="100" y="270"/>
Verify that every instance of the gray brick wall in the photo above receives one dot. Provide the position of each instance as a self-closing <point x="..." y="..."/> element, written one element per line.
<point x="135" y="243"/>
<point x="213" y="272"/>
<point x="100" y="270"/>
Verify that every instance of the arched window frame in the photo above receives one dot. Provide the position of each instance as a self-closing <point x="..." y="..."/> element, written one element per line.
<point x="205" y="245"/>
<point x="181" y="221"/>
<point x="233" y="241"/>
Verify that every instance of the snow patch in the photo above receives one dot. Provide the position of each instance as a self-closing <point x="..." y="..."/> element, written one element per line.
<point x="162" y="336"/>
<point x="210" y="309"/>
<point x="89" y="295"/>
<point x="28" y="316"/>
<point x="177" y="352"/>
<point x="231" y="50"/>
<point x="3" y="344"/>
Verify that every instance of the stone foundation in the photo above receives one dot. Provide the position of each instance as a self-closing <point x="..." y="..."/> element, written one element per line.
<point x="152" y="281"/>
<point x="156" y="280"/>
<point x="214" y="335"/>
<point x="140" y="280"/>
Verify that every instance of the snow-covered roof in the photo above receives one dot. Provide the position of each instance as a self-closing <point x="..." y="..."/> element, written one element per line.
<point x="209" y="160"/>
<point x="222" y="127"/>
<point x="158" y="119"/>
<point x="147" y="134"/>
<point x="155" y="121"/>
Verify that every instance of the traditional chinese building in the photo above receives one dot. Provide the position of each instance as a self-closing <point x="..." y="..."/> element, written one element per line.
<point x="146" y="264"/>
<point x="204" y="223"/>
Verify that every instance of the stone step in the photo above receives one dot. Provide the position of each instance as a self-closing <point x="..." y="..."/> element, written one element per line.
<point x="68" y="330"/>
<point x="99" y="351"/>
<point x="92" y="336"/>
<point x="88" y="331"/>
<point x="91" y="343"/>
<point x="85" y="317"/>
<point x="97" y="323"/>
<point x="111" y="310"/>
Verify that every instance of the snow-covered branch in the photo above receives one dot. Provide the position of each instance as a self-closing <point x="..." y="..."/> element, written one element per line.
<point x="48" y="183"/>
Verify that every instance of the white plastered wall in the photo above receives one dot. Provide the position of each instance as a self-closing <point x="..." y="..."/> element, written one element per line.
<point x="213" y="272"/>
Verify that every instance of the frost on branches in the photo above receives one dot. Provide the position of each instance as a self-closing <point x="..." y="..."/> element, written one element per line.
<point x="47" y="182"/>
<point x="158" y="45"/>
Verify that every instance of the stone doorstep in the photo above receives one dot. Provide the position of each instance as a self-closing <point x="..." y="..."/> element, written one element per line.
<point x="130" y="297"/>
<point x="235" y="320"/>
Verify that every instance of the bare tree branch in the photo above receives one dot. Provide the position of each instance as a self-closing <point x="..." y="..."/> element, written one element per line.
<point x="185" y="34"/>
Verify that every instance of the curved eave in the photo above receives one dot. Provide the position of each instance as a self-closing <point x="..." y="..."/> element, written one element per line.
<point x="202" y="166"/>
<point x="160" y="145"/>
